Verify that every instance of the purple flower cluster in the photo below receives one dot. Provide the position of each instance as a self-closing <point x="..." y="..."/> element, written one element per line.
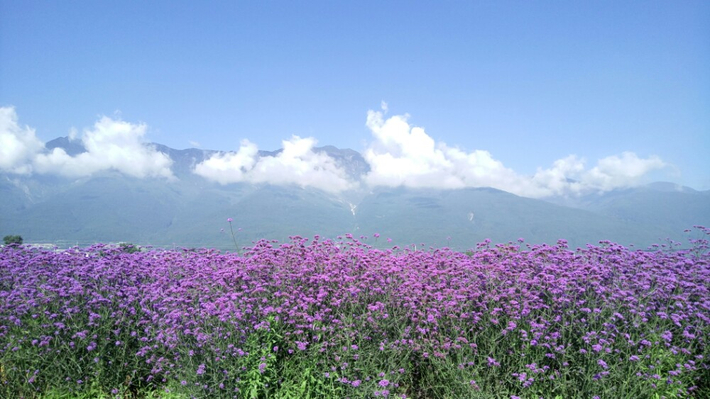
<point x="524" y="316"/>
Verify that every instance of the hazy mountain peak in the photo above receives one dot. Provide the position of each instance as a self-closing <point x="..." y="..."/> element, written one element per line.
<point x="669" y="187"/>
<point x="71" y="147"/>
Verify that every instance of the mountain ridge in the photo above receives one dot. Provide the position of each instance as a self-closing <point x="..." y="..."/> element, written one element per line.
<point x="192" y="211"/>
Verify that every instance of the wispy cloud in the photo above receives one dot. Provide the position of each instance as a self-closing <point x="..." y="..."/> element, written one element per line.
<point x="110" y="145"/>
<point x="296" y="164"/>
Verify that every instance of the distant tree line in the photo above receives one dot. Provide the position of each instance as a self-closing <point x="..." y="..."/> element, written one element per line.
<point x="9" y="239"/>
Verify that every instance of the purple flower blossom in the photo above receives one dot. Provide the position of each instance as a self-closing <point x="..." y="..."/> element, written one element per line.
<point x="183" y="306"/>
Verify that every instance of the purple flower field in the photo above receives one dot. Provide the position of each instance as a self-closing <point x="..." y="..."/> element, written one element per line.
<point x="333" y="319"/>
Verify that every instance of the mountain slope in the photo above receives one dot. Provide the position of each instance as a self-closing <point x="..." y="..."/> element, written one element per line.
<point x="191" y="211"/>
<point x="461" y="218"/>
<point x="662" y="207"/>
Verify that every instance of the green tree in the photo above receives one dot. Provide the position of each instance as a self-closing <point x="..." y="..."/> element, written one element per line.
<point x="12" y="240"/>
<point x="129" y="248"/>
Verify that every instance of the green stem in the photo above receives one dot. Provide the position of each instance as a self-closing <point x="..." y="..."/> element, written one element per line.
<point x="233" y="238"/>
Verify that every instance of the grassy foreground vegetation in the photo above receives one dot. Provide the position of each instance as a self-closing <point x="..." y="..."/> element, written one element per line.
<point x="335" y="319"/>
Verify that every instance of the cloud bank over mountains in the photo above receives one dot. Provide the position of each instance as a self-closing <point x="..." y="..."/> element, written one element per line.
<point x="110" y="145"/>
<point x="404" y="155"/>
<point x="399" y="154"/>
<point x="297" y="163"/>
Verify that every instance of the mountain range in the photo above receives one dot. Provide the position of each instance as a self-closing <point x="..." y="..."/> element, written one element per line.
<point x="191" y="211"/>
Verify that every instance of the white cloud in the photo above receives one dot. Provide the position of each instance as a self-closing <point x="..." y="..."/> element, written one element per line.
<point x="297" y="164"/>
<point x="399" y="155"/>
<point x="408" y="156"/>
<point x="404" y="155"/>
<point x="18" y="145"/>
<point x="110" y="145"/>
<point x="561" y="179"/>
<point x="621" y="171"/>
<point x="568" y="175"/>
<point x="226" y="168"/>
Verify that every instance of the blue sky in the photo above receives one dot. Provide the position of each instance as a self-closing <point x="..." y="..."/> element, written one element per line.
<point x="525" y="84"/>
